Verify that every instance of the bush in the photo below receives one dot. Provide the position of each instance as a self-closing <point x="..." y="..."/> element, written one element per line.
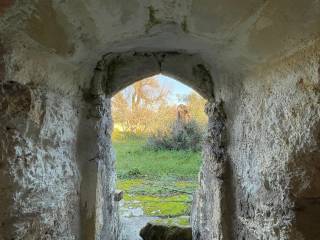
<point x="181" y="136"/>
<point x="132" y="173"/>
<point x="135" y="172"/>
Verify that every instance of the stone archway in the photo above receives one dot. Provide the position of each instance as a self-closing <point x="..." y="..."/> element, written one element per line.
<point x="266" y="71"/>
<point x="115" y="72"/>
<point x="119" y="70"/>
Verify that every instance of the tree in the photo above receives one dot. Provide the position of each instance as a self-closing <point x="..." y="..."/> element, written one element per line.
<point x="135" y="107"/>
<point x="146" y="94"/>
<point x="196" y="105"/>
<point x="119" y="103"/>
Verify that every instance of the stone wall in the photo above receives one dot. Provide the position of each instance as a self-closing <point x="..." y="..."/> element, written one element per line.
<point x="210" y="213"/>
<point x="261" y="58"/>
<point x="258" y="181"/>
<point x="270" y="188"/>
<point x="39" y="177"/>
<point x="274" y="147"/>
<point x="57" y="175"/>
<point x="98" y="208"/>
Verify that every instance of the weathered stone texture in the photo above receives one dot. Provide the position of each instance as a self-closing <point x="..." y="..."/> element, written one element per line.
<point x="261" y="58"/>
<point x="160" y="232"/>
<point x="39" y="176"/>
<point x="99" y="210"/>
<point x="106" y="206"/>
<point x="4" y="5"/>
<point x="274" y="147"/>
<point x="2" y="65"/>
<point x="210" y="221"/>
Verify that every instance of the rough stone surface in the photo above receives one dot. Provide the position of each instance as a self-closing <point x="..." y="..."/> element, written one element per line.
<point x="4" y="5"/>
<point x="260" y="58"/>
<point x="274" y="147"/>
<point x="122" y="69"/>
<point x="99" y="210"/>
<point x="210" y="221"/>
<point x="162" y="232"/>
<point x="39" y="174"/>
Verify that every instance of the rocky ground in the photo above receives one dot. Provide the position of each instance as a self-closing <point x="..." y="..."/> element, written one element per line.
<point x="137" y="208"/>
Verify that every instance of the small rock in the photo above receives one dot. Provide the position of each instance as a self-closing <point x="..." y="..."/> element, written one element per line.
<point x="162" y="232"/>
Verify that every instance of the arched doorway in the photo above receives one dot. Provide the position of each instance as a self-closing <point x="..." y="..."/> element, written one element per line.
<point x="159" y="124"/>
<point x="115" y="72"/>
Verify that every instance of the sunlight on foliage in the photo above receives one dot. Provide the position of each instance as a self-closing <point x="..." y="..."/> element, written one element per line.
<point x="146" y="108"/>
<point x="158" y="178"/>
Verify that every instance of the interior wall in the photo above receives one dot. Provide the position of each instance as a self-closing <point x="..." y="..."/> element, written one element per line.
<point x="39" y="175"/>
<point x="263" y="58"/>
<point x="210" y="216"/>
<point x="273" y="129"/>
<point x="98" y="207"/>
<point x="272" y="141"/>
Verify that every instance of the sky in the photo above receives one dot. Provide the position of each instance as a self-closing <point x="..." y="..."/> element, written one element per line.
<point x="176" y="88"/>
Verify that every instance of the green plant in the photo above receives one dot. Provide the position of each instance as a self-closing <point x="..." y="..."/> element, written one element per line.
<point x="131" y="153"/>
<point x="182" y="136"/>
<point x="135" y="172"/>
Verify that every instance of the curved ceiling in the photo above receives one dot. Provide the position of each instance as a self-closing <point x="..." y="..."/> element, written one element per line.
<point x="231" y="35"/>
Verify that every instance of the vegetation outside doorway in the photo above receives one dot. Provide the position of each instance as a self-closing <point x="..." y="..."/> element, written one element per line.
<point x="157" y="137"/>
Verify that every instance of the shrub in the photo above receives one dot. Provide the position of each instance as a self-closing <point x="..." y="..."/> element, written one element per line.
<point x="135" y="172"/>
<point x="181" y="136"/>
<point x="132" y="173"/>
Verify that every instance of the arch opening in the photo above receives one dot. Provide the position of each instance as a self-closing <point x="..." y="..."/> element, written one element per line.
<point x="116" y="71"/>
<point x="112" y="74"/>
<point x="159" y="124"/>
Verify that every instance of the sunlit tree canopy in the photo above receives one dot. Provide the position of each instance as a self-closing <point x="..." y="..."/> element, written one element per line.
<point x="146" y="107"/>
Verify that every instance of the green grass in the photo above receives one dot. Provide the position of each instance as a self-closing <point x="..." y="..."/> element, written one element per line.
<point x="172" y="201"/>
<point x="163" y="187"/>
<point x="160" y="182"/>
<point x="156" y="206"/>
<point x="133" y="160"/>
<point x="182" y="221"/>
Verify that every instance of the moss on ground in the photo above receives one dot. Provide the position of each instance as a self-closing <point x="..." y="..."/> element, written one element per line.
<point x="160" y="206"/>
<point x="183" y="221"/>
<point x="160" y="183"/>
<point x="159" y="201"/>
<point x="130" y="184"/>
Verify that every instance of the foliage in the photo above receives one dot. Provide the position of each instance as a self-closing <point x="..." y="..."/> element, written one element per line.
<point x="182" y="136"/>
<point x="159" y="187"/>
<point x="120" y="110"/>
<point x="135" y="107"/>
<point x="143" y="108"/>
<point x="165" y="182"/>
<point x="134" y="172"/>
<point x="196" y="106"/>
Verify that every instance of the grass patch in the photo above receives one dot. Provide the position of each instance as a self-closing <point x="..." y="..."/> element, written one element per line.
<point x="160" y="188"/>
<point x="156" y="200"/>
<point x="182" y="221"/>
<point x="160" y="182"/>
<point x="156" y="206"/>
<point x="134" y="160"/>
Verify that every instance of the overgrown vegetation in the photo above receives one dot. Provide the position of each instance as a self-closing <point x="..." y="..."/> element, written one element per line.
<point x="134" y="160"/>
<point x="181" y="136"/>
<point x="145" y="108"/>
<point x="160" y="182"/>
<point x="157" y="147"/>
